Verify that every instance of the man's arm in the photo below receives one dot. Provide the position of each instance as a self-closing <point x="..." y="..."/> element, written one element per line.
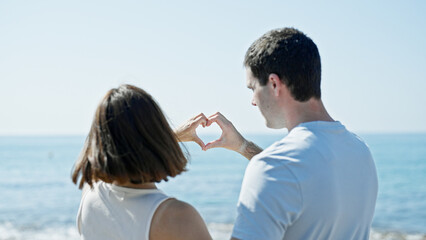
<point x="249" y="149"/>
<point x="270" y="200"/>
<point x="231" y="139"/>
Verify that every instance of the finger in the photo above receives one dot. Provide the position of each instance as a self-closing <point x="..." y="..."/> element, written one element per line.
<point x="201" y="120"/>
<point x="199" y="142"/>
<point x="213" y="144"/>
<point x="213" y="115"/>
<point x="199" y="115"/>
<point x="217" y="119"/>
<point x="198" y="122"/>
<point x="208" y="120"/>
<point x="217" y="114"/>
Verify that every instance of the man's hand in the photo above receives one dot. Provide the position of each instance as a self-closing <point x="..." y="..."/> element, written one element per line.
<point x="187" y="132"/>
<point x="230" y="139"/>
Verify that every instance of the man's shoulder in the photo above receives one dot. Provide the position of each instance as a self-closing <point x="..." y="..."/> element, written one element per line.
<point x="288" y="148"/>
<point x="304" y="142"/>
<point x="276" y="160"/>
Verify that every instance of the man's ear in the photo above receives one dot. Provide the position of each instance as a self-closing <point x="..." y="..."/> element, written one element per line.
<point x="275" y="84"/>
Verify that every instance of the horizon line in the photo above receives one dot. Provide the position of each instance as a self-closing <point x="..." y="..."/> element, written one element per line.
<point x="279" y="132"/>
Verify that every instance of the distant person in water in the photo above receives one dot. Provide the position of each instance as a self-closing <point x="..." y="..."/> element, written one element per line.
<point x="129" y="148"/>
<point x="319" y="181"/>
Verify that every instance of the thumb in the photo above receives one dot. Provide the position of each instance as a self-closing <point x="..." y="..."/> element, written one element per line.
<point x="214" y="144"/>
<point x="199" y="142"/>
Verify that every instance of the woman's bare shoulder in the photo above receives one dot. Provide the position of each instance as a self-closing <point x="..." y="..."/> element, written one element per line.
<point x="176" y="219"/>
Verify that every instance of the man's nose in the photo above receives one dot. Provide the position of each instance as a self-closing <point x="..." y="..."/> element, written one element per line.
<point x="253" y="103"/>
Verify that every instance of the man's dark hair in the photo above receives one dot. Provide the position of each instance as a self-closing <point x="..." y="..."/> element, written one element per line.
<point x="130" y="141"/>
<point x="291" y="55"/>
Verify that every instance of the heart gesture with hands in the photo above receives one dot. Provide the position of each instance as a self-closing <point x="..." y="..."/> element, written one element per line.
<point x="230" y="138"/>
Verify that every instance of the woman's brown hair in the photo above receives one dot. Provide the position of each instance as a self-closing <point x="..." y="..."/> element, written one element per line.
<point x="130" y="141"/>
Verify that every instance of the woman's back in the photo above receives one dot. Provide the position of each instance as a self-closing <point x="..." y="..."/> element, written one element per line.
<point x="111" y="212"/>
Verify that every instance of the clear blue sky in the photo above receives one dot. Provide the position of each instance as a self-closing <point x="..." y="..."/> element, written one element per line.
<point x="58" y="58"/>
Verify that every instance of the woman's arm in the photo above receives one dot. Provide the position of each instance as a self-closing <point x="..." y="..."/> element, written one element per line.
<point x="178" y="220"/>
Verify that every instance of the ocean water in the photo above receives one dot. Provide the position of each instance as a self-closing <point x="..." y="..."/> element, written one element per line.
<point x="39" y="201"/>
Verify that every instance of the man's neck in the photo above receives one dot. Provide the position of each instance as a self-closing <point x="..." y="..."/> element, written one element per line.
<point x="309" y="111"/>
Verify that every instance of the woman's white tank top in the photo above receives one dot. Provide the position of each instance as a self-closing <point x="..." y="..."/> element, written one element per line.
<point x="111" y="212"/>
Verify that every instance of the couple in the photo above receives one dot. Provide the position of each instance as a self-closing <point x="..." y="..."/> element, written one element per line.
<point x="318" y="182"/>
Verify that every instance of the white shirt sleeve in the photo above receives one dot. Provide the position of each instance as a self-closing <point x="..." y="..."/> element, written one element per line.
<point x="270" y="200"/>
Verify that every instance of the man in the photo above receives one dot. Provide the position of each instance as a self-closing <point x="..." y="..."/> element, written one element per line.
<point x="318" y="182"/>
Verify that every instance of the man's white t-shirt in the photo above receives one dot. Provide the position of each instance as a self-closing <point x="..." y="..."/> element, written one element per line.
<point x="318" y="182"/>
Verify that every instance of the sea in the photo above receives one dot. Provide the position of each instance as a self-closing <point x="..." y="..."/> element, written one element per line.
<point x="39" y="202"/>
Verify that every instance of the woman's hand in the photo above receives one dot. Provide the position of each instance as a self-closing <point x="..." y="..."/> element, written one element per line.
<point x="187" y="132"/>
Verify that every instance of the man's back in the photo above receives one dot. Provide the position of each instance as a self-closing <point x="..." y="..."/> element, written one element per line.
<point x="319" y="182"/>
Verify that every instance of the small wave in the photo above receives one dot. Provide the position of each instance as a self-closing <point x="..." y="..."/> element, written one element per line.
<point x="394" y="235"/>
<point x="219" y="231"/>
<point x="10" y="232"/>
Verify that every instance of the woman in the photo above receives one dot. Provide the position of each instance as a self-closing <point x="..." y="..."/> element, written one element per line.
<point x="129" y="148"/>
